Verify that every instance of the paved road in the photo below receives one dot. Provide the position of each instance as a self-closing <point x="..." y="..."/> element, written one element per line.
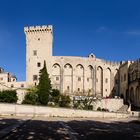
<point x="69" y="128"/>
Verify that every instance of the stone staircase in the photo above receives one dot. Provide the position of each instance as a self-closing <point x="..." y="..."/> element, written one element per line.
<point x="123" y="109"/>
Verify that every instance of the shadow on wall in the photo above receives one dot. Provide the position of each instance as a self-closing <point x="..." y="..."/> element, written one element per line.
<point x="39" y="129"/>
<point x="115" y="90"/>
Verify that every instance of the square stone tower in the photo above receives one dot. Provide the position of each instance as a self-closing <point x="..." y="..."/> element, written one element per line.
<point x="39" y="42"/>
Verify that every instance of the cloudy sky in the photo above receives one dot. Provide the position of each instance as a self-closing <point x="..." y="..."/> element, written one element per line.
<point x="108" y="28"/>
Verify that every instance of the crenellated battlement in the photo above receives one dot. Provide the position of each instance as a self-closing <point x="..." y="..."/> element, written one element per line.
<point x="44" y="28"/>
<point x="111" y="62"/>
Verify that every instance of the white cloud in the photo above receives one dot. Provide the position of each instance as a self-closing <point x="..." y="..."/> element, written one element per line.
<point x="133" y="32"/>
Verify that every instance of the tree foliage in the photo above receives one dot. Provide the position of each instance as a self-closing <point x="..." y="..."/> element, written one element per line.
<point x="64" y="101"/>
<point x="8" y="96"/>
<point x="55" y="96"/>
<point x="83" y="103"/>
<point x="31" y="98"/>
<point x="44" y="86"/>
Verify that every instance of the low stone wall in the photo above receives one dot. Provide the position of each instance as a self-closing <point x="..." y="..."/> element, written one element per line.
<point x="27" y="110"/>
<point x="135" y="114"/>
<point x="110" y="104"/>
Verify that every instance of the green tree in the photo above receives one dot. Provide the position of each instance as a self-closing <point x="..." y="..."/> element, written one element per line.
<point x="44" y="86"/>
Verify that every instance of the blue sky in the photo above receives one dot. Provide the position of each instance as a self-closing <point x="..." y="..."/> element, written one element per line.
<point x="108" y="28"/>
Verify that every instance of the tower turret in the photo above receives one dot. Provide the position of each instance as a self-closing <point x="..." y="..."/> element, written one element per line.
<point x="39" y="42"/>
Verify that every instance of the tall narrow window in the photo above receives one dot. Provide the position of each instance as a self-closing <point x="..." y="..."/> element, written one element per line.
<point x="57" y="78"/>
<point x="34" y="52"/>
<point x="38" y="64"/>
<point x="34" y="77"/>
<point x="68" y="87"/>
<point x="106" y="80"/>
<point x="79" y="78"/>
<point x="78" y="89"/>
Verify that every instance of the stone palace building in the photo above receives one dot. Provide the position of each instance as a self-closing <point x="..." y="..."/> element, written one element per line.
<point x="74" y="75"/>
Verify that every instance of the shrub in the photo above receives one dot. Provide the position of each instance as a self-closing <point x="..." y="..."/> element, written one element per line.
<point x="8" y="96"/>
<point x="64" y="101"/>
<point x="55" y="96"/>
<point x="77" y="104"/>
<point x="31" y="98"/>
<point x="99" y="109"/>
<point x="104" y="109"/>
<point x="90" y="107"/>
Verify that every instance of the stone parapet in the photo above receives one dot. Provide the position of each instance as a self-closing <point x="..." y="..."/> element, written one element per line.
<point x="43" y="28"/>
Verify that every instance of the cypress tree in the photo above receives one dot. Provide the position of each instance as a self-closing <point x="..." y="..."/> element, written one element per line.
<point x="44" y="86"/>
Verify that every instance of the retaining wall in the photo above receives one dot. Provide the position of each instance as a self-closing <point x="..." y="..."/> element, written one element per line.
<point x="28" y="110"/>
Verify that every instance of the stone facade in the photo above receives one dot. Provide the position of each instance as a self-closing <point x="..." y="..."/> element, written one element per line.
<point x="130" y="82"/>
<point x="74" y="75"/>
<point x="6" y="77"/>
<point x="134" y="84"/>
<point x="123" y="78"/>
<point x="71" y="75"/>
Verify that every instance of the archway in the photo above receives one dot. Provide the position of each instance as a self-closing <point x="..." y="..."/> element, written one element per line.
<point x="99" y="81"/>
<point x="89" y="80"/>
<point x="68" y="78"/>
<point x="56" y="76"/>
<point x="79" y="78"/>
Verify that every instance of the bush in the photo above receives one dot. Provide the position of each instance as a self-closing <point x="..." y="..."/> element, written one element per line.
<point x="104" y="109"/>
<point x="77" y="104"/>
<point x="87" y="103"/>
<point x="90" y="107"/>
<point x="55" y="93"/>
<point x="8" y="96"/>
<point x="99" y="109"/>
<point x="31" y="98"/>
<point x="55" y="96"/>
<point x="64" y="101"/>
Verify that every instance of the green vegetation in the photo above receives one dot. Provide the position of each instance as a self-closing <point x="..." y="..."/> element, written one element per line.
<point x="102" y="109"/>
<point x="64" y="101"/>
<point x="55" y="96"/>
<point x="87" y="103"/>
<point x="43" y="94"/>
<point x="31" y="98"/>
<point x="8" y="96"/>
<point x="99" y="109"/>
<point x="83" y="103"/>
<point x="44" y="86"/>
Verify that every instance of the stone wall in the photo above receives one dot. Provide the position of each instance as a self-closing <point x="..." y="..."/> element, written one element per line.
<point x="26" y="110"/>
<point x="110" y="104"/>
<point x="72" y="75"/>
<point x="83" y="75"/>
